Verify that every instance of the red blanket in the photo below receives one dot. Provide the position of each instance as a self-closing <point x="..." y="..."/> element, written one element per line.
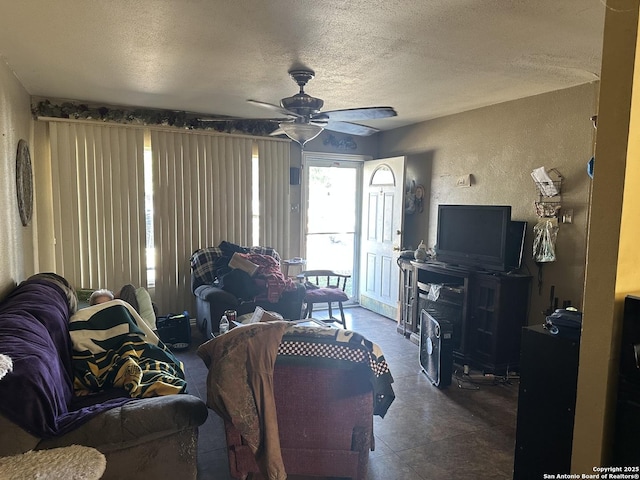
<point x="269" y="277"/>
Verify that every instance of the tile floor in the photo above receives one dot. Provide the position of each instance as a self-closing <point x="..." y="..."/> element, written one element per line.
<point x="461" y="432"/>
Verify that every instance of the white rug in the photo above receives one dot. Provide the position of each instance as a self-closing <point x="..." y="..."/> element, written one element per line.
<point x="68" y="463"/>
<point x="6" y="365"/>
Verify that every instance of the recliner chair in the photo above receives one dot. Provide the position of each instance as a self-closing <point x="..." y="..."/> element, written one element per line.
<point x="213" y="298"/>
<point x="325" y="423"/>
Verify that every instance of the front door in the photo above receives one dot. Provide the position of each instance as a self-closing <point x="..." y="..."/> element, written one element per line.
<point x="382" y="217"/>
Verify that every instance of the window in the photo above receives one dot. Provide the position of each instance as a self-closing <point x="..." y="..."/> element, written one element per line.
<point x="382" y="176"/>
<point x="148" y="213"/>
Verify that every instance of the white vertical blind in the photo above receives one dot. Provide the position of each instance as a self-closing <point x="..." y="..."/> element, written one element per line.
<point x="274" y="163"/>
<point x="98" y="204"/>
<point x="202" y="195"/>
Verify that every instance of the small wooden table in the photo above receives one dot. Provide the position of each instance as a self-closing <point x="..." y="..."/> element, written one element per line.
<point x="293" y="262"/>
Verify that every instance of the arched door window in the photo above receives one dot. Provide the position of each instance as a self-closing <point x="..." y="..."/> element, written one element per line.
<point x="382" y="176"/>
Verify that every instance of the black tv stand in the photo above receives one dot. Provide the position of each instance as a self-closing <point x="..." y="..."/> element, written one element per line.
<point x="487" y="309"/>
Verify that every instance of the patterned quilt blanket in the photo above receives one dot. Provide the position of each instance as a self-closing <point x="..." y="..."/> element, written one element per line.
<point x="114" y="348"/>
<point x="342" y="349"/>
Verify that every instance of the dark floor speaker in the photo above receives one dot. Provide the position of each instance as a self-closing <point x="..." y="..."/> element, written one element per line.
<point x="436" y="349"/>
<point x="546" y="404"/>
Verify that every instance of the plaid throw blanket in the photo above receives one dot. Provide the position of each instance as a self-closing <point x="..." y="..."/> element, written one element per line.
<point x="343" y="349"/>
<point x="114" y="348"/>
<point x="205" y="262"/>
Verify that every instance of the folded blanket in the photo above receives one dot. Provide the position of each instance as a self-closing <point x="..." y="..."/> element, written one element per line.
<point x="114" y="348"/>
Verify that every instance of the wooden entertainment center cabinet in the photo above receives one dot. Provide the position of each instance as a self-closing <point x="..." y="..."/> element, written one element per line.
<point x="486" y="309"/>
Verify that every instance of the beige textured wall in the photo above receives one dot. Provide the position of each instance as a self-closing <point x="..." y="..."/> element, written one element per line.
<point x="499" y="146"/>
<point x="15" y="123"/>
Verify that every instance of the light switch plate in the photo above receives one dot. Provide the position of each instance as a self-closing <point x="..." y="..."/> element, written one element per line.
<point x="464" y="180"/>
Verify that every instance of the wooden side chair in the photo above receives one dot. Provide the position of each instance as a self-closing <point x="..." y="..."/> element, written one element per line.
<point x="325" y="286"/>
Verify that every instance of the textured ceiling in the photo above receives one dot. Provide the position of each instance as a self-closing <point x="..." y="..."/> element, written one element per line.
<point x="425" y="58"/>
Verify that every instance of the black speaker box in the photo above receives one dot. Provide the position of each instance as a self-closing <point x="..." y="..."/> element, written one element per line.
<point x="175" y="330"/>
<point x="436" y="349"/>
<point x="546" y="404"/>
<point x="294" y="176"/>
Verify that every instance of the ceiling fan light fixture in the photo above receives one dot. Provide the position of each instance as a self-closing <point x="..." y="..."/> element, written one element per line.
<point x="306" y="120"/>
<point x="301" y="132"/>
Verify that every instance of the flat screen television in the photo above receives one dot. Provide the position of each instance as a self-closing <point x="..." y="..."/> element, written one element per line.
<point x="479" y="236"/>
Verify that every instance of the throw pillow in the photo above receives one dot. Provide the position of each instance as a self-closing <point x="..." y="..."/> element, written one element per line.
<point x="146" y="307"/>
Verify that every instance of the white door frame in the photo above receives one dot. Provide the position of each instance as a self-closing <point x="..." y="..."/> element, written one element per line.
<point x="329" y="159"/>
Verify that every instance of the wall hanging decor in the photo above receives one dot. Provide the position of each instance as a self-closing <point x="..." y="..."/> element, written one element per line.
<point x="24" y="182"/>
<point x="549" y="190"/>
<point x="413" y="198"/>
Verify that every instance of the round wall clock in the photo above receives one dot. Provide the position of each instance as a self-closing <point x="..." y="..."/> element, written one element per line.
<point x="24" y="182"/>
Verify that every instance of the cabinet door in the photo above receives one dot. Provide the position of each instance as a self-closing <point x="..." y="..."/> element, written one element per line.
<point x="498" y="311"/>
<point x="407" y="319"/>
<point x="483" y="320"/>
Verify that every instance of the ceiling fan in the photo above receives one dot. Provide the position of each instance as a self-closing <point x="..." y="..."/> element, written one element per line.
<point x="304" y="119"/>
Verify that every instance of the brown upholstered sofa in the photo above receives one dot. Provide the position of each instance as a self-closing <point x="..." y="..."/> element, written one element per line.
<point x="140" y="438"/>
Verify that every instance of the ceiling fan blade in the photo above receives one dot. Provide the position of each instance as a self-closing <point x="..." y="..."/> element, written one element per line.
<point x="354" y="114"/>
<point x="277" y="131"/>
<point x="275" y="108"/>
<point x="350" y="128"/>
